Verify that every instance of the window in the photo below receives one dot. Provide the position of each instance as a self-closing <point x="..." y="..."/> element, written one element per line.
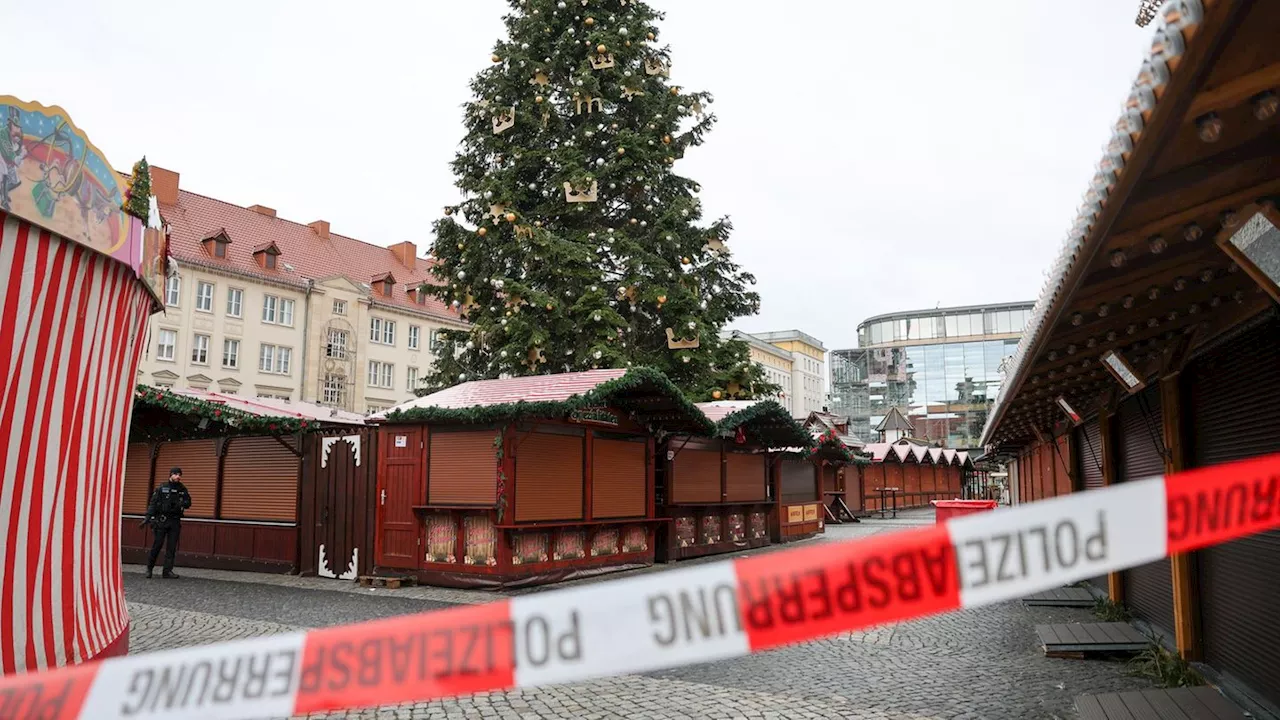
<point x="373" y="408"/>
<point x="277" y="310"/>
<point x="204" y="297"/>
<point x="273" y="396"/>
<point x="415" y="333"/>
<point x="235" y="302"/>
<point x="335" y="390"/>
<point x="382" y="331"/>
<point x="413" y="379"/>
<point x="230" y="353"/>
<point x="274" y="359"/>
<point x="339" y="307"/>
<point x="166" y="344"/>
<point x="336" y="347"/>
<point x="269" y="260"/>
<point x="435" y="340"/>
<point x="172" y="290"/>
<point x="219" y="248"/>
<point x="381" y="375"/>
<point x="200" y="350"/>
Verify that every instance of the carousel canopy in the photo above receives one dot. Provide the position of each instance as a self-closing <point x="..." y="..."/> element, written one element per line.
<point x="764" y="422"/>
<point x="163" y="414"/>
<point x="644" y="393"/>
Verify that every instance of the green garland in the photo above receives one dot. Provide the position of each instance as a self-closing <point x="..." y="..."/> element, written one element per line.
<point x="767" y="424"/>
<point x="609" y="393"/>
<point x="223" y="420"/>
<point x="137" y="196"/>
<point x="830" y="447"/>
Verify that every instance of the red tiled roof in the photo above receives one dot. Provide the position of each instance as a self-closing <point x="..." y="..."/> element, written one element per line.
<point x="196" y="217"/>
<point x="534" y="388"/>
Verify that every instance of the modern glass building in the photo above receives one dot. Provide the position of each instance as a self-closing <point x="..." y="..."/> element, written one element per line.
<point x="941" y="368"/>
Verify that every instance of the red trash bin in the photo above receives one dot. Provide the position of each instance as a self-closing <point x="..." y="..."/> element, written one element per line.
<point x="946" y="509"/>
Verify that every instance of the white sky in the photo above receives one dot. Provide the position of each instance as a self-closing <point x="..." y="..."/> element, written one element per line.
<point x="874" y="156"/>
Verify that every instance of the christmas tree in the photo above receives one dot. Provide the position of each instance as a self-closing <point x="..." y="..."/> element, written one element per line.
<point x="578" y="246"/>
<point x="137" y="196"/>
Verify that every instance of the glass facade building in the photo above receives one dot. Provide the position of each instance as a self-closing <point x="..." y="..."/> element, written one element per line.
<point x="941" y="368"/>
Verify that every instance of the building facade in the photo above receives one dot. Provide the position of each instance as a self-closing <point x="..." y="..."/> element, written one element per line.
<point x="808" y="367"/>
<point x="940" y="368"/>
<point x="776" y="362"/>
<point x="262" y="306"/>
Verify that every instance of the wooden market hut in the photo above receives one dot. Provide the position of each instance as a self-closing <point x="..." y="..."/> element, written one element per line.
<point x="919" y="473"/>
<point x="525" y="480"/>
<point x="803" y="506"/>
<point x="275" y="486"/>
<point x="1156" y="344"/>
<point x="716" y="489"/>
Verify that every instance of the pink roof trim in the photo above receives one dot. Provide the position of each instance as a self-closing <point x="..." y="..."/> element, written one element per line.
<point x="534" y="388"/>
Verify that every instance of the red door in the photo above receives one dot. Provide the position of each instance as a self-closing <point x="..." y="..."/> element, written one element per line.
<point x="400" y="487"/>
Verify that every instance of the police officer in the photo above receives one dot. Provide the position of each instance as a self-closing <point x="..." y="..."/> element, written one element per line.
<point x="164" y="515"/>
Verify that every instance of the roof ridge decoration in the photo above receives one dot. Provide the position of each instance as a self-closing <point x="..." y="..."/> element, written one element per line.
<point x="215" y="416"/>
<point x="680" y="415"/>
<point x="1168" y="43"/>
<point x="766" y="424"/>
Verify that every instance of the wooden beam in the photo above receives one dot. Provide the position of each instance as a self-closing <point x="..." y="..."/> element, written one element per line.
<point x="1235" y="92"/>
<point x="1106" y="430"/>
<point x="1186" y="606"/>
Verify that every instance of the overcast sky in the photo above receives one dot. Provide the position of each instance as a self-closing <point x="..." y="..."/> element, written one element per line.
<point x="874" y="156"/>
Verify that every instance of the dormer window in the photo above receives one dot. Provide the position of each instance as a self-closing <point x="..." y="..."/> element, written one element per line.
<point x="385" y="284"/>
<point x="216" y="243"/>
<point x="417" y="293"/>
<point x="267" y="255"/>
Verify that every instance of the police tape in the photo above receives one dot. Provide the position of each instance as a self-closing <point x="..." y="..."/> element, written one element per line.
<point x="691" y="615"/>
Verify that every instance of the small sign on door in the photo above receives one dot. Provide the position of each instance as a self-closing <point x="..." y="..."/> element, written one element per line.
<point x="402" y="441"/>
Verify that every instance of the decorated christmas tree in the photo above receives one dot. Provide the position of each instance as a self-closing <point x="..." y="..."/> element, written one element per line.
<point x="137" y="196"/>
<point x="578" y="245"/>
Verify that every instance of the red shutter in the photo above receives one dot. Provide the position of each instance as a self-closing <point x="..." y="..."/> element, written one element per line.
<point x="259" y="480"/>
<point x="199" y="465"/>
<point x="549" y="477"/>
<point x="696" y="476"/>
<point x="618" y="478"/>
<point x="745" y="479"/>
<point x="137" y="478"/>
<point x="463" y="468"/>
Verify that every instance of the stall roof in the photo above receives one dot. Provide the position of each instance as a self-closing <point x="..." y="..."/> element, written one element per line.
<point x="645" y="393"/>
<point x="167" y="414"/>
<point x="764" y="422"/>
<point x="1139" y="270"/>
<point x="904" y="450"/>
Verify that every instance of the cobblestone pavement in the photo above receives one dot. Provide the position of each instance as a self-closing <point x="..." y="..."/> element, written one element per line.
<point x="974" y="665"/>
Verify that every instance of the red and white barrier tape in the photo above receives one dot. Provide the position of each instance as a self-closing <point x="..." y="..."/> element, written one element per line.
<point x="666" y="619"/>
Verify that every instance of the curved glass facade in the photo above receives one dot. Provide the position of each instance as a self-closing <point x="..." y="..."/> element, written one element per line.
<point x="940" y="368"/>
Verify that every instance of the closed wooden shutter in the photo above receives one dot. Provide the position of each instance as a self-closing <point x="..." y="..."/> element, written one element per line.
<point x="463" y="468"/>
<point x="549" y="477"/>
<point x="798" y="481"/>
<point x="617" y="478"/>
<point x="259" y="480"/>
<point x="199" y="464"/>
<point x="1089" y="454"/>
<point x="745" y="479"/>
<point x="1233" y="399"/>
<point x="1148" y="588"/>
<point x="696" y="476"/>
<point x="137" y="478"/>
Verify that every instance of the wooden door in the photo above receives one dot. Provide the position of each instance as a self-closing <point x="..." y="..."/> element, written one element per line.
<point x="400" y="487"/>
<point x="340" y="545"/>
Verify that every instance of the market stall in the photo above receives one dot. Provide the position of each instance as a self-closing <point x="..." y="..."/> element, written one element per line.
<point x="525" y="480"/>
<point x="717" y="489"/>
<point x="80" y="265"/>
<point x="906" y="474"/>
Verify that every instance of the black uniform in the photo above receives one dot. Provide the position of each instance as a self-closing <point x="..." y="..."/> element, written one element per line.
<point x="164" y="514"/>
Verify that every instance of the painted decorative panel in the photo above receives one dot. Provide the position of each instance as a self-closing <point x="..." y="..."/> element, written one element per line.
<point x="442" y="538"/>
<point x="570" y="545"/>
<point x="737" y="527"/>
<point x="605" y="542"/>
<point x="686" y="531"/>
<point x="529" y="547"/>
<point x="636" y="539"/>
<point x="481" y="542"/>
<point x="759" y="525"/>
<point x="711" y="529"/>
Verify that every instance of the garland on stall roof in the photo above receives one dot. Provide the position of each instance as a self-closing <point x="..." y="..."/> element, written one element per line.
<point x="829" y="443"/>
<point x="229" y="420"/>
<point x="766" y="423"/>
<point x="608" y="393"/>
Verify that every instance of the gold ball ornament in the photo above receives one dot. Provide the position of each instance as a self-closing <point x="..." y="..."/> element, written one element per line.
<point x="511" y="217"/>
<point x="685" y="260"/>
<point x="539" y="99"/>
<point x="460" y="246"/>
<point x="650" y="36"/>
<point x="666" y="139"/>
<point x="662" y="299"/>
<point x="634" y="221"/>
<point x="448" y="211"/>
<point x="482" y="232"/>
<point x="495" y="58"/>
<point x="602" y="49"/>
<point x="715" y="394"/>
<point x="589" y="21"/>
<point x="613" y="126"/>
<point x="550" y="306"/>
<point x="627" y="43"/>
<point x="622" y="151"/>
<point x="537" y="223"/>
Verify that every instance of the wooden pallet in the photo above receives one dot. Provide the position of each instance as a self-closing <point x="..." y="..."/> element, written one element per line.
<point x="1075" y="639"/>
<point x="390" y="583"/>
<point x="1060" y="597"/>
<point x="1199" y="703"/>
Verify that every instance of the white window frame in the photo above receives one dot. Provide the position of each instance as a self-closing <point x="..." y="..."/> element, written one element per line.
<point x="382" y="331"/>
<point x="231" y="351"/>
<point x="381" y="374"/>
<point x="204" y="296"/>
<point x="342" y="348"/>
<point x="173" y="291"/>
<point x="339" y="307"/>
<point x="412" y="378"/>
<point x="200" y="349"/>
<point x="277" y="310"/>
<point x="333" y="390"/>
<point x="171" y="346"/>
<point x="275" y="359"/>
<point x="415" y="337"/>
<point x="235" y="302"/>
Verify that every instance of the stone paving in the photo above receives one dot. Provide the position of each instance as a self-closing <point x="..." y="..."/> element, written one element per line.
<point x="971" y="665"/>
